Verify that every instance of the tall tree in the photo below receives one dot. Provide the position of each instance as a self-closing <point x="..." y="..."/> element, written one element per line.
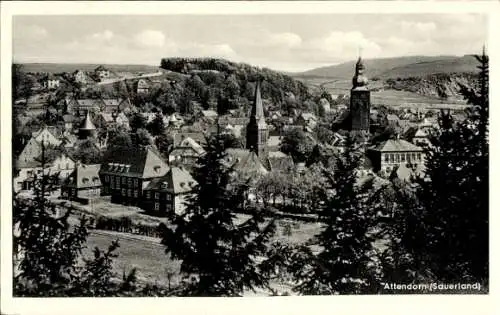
<point x="219" y="256"/>
<point x="48" y="249"/>
<point x="343" y="263"/>
<point x="446" y="232"/>
<point x="156" y="126"/>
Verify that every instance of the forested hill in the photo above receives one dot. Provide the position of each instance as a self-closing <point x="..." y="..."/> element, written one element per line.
<point x="210" y="81"/>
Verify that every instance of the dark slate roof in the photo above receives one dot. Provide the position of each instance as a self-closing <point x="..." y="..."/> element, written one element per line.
<point x="245" y="161"/>
<point x="177" y="181"/>
<point x="84" y="176"/>
<point x="134" y="162"/>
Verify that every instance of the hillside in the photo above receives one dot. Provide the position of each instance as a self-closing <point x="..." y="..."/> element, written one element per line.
<point x="187" y="85"/>
<point x="386" y="68"/>
<point x="71" y="67"/>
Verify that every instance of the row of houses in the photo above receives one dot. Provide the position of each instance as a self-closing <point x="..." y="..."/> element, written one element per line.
<point x="130" y="176"/>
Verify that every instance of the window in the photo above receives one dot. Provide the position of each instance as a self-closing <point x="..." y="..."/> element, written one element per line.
<point x="168" y="207"/>
<point x="392" y="158"/>
<point x="402" y="157"/>
<point x="129" y="183"/>
<point x="59" y="166"/>
<point x="118" y="183"/>
<point x="124" y="180"/>
<point x="408" y="157"/>
<point x="157" y="206"/>
<point x="29" y="173"/>
<point x="67" y="166"/>
<point x="124" y="192"/>
<point x="397" y="158"/>
<point x="129" y="192"/>
<point x="136" y="193"/>
<point x="148" y="195"/>
<point x="106" y="179"/>
<point x="136" y="183"/>
<point x="112" y="179"/>
<point x="386" y="158"/>
<point x="168" y="197"/>
<point x="157" y="195"/>
<point x="113" y="185"/>
<point x="419" y="157"/>
<point x="413" y="156"/>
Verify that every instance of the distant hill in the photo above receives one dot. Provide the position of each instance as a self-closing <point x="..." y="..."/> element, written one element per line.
<point x="398" y="67"/>
<point x="70" y="67"/>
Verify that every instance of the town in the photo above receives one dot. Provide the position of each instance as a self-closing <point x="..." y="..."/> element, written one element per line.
<point x="262" y="139"/>
<point x="138" y="152"/>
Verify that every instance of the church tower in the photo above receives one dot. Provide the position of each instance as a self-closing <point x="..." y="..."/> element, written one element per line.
<point x="87" y="129"/>
<point x="360" y="100"/>
<point x="257" y="130"/>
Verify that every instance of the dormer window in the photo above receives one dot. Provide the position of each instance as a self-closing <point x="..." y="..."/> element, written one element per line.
<point x="85" y="180"/>
<point x="183" y="184"/>
<point x="95" y="179"/>
<point x="164" y="185"/>
<point x="157" y="168"/>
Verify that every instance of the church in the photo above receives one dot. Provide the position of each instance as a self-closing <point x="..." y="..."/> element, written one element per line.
<point x="256" y="159"/>
<point x="357" y="118"/>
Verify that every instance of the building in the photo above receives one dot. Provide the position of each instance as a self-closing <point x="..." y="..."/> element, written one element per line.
<point x="81" y="77"/>
<point x="102" y="72"/>
<point x="51" y="82"/>
<point x="187" y="152"/>
<point x="393" y="153"/>
<point x="126" y="172"/>
<point x="167" y="194"/>
<point x="81" y="106"/>
<point x="257" y="129"/>
<point x="142" y="86"/>
<point x="87" y="129"/>
<point x="49" y="135"/>
<point x="105" y="120"/>
<point x="83" y="184"/>
<point x="68" y="121"/>
<point x="360" y="100"/>
<point x="307" y="120"/>
<point x="28" y="165"/>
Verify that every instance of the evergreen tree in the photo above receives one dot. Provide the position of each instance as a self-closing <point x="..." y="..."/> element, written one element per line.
<point x="219" y="256"/>
<point x="48" y="248"/>
<point x="157" y="126"/>
<point x="137" y="121"/>
<point x="445" y="233"/>
<point x="343" y="264"/>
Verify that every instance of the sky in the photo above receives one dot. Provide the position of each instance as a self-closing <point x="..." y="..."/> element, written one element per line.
<point x="287" y="42"/>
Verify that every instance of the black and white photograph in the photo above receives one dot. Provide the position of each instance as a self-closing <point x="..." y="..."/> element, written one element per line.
<point x="248" y="155"/>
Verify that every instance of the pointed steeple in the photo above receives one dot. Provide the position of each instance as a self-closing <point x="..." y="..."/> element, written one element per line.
<point x="257" y="108"/>
<point x="87" y="123"/>
<point x="257" y="130"/>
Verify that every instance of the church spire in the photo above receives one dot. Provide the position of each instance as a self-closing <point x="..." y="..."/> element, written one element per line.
<point x="257" y="131"/>
<point x="257" y="108"/>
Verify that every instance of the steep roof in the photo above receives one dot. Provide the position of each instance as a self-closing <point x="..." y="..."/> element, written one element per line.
<point x="189" y="142"/>
<point x="209" y="113"/>
<point x="257" y="113"/>
<point x="87" y="123"/>
<point x="86" y="102"/>
<point x="397" y="145"/>
<point x="134" y="162"/>
<point x="199" y="137"/>
<point x="245" y="161"/>
<point x="177" y="181"/>
<point x="84" y="176"/>
<point x="111" y="101"/>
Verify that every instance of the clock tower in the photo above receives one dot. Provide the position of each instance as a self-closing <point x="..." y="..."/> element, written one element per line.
<point x="360" y="100"/>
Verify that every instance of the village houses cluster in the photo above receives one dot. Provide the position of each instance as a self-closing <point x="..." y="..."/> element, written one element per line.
<point x="145" y="178"/>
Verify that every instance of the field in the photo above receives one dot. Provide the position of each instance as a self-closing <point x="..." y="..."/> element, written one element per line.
<point x="392" y="98"/>
<point x="154" y="266"/>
